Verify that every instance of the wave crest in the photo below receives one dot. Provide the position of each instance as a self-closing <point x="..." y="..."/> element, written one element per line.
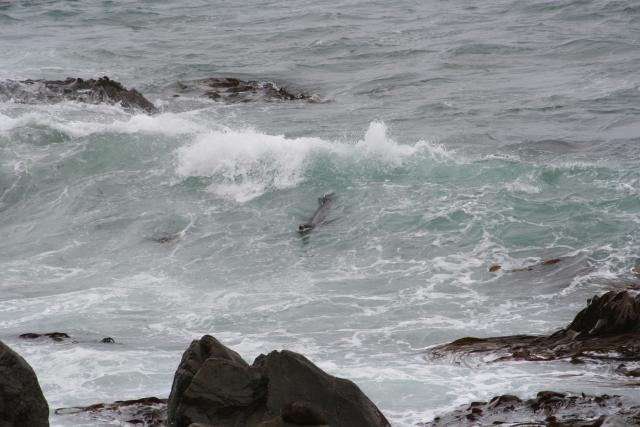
<point x="245" y="164"/>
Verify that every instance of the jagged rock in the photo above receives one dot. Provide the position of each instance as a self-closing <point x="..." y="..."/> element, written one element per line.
<point x="21" y="400"/>
<point x="607" y="329"/>
<point x="102" y="90"/>
<point x="611" y="313"/>
<point x="548" y="408"/>
<point x="235" y="90"/>
<point x="146" y="412"/>
<point x="213" y="385"/>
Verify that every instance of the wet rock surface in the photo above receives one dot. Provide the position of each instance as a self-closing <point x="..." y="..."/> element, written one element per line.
<point x="54" y="336"/>
<point x="548" y="408"/>
<point x="235" y="90"/>
<point x="608" y="314"/>
<point x="21" y="400"/>
<point x="60" y="337"/>
<point x="145" y="412"/>
<point x="497" y="267"/>
<point x="301" y="412"/>
<point x="92" y="91"/>
<point x="214" y="385"/>
<point x="607" y="329"/>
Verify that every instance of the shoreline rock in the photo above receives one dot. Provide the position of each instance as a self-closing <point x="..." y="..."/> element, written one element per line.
<point x="548" y="408"/>
<point x="608" y="329"/>
<point x="148" y="411"/>
<point x="214" y="385"/>
<point x="21" y="400"/>
<point x="91" y="91"/>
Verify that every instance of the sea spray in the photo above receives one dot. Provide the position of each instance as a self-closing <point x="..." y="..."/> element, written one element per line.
<point x="244" y="164"/>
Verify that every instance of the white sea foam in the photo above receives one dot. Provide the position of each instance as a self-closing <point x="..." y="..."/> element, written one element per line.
<point x="93" y="119"/>
<point x="246" y="163"/>
<point x="521" y="186"/>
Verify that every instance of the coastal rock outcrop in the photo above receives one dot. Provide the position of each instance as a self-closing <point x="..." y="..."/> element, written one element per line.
<point x="21" y="400"/>
<point x="607" y="329"/>
<point x="92" y="91"/>
<point x="548" y="408"/>
<point x="147" y="412"/>
<point x="215" y="386"/>
<point x="235" y="90"/>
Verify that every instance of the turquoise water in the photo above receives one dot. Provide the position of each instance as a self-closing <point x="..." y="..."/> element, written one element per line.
<point x="453" y="136"/>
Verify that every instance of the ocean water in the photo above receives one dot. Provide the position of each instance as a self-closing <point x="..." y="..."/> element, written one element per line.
<point x="455" y="135"/>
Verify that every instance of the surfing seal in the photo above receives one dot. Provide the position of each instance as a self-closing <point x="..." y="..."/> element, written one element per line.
<point x="319" y="216"/>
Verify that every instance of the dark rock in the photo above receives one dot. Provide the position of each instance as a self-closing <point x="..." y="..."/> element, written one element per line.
<point x="213" y="385"/>
<point x="102" y="90"/>
<point x="30" y="336"/>
<point x="60" y="336"/>
<point x="495" y="268"/>
<point x="21" y="400"/>
<point x="55" y="336"/>
<point x="611" y="313"/>
<point x="165" y="237"/>
<point x="548" y="408"/>
<point x="235" y="90"/>
<point x="607" y="329"/>
<point x="187" y="387"/>
<point x="622" y="369"/>
<point x="303" y="413"/>
<point x="147" y="412"/>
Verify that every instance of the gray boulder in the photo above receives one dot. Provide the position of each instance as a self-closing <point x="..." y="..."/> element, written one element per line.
<point x="21" y="400"/>
<point x="214" y="386"/>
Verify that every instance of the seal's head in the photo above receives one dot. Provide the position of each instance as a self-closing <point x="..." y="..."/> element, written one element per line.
<point x="304" y="228"/>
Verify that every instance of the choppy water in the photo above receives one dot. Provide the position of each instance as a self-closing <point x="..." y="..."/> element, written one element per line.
<point x="454" y="135"/>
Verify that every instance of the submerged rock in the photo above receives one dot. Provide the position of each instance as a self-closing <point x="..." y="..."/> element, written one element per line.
<point x="21" y="400"/>
<point x="496" y="267"/>
<point x="59" y="336"/>
<point x="607" y="329"/>
<point x="235" y="90"/>
<point x="548" y="408"/>
<point x="215" y="386"/>
<point x="55" y="336"/>
<point x="165" y="237"/>
<point x="102" y="90"/>
<point x="146" y="412"/>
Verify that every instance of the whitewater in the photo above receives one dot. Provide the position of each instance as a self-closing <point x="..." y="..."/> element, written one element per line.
<point x="453" y="136"/>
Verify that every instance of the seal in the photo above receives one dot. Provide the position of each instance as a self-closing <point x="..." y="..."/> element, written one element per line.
<point x="319" y="216"/>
